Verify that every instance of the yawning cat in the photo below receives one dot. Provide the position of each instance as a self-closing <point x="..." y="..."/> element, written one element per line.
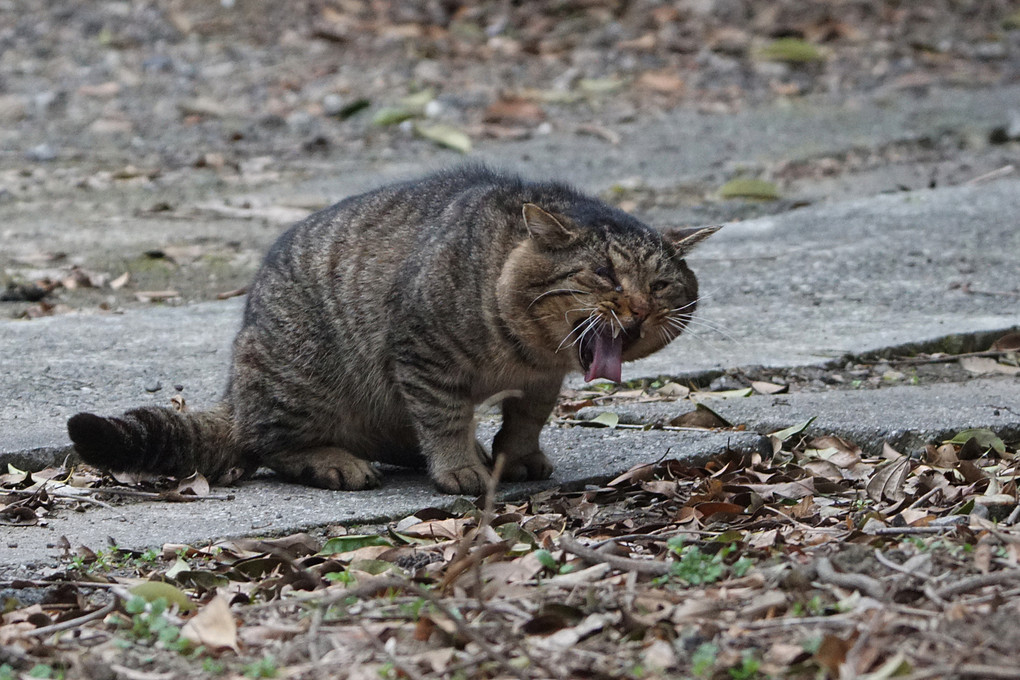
<point x="375" y="326"/>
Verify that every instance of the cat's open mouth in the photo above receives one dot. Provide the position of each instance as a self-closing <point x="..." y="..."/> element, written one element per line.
<point x="601" y="353"/>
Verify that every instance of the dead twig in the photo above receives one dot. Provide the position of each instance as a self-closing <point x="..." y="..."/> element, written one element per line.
<point x="975" y="582"/>
<point x="896" y="531"/>
<point x="988" y="176"/>
<point x="791" y="622"/>
<point x="896" y="567"/>
<point x="84" y="497"/>
<point x="227" y="294"/>
<point x="162" y="496"/>
<point x="21" y="583"/>
<point x="966" y="670"/>
<point x="949" y="358"/>
<point x="974" y="291"/>
<point x="591" y="556"/>
<point x="866" y="584"/>
<point x="72" y="623"/>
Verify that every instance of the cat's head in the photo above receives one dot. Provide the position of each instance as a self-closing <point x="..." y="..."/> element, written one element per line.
<point x="592" y="291"/>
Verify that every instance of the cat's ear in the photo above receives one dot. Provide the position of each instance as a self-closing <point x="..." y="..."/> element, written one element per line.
<point x="547" y="229"/>
<point x="685" y="238"/>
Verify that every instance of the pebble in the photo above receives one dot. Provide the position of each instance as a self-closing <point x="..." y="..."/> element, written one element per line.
<point x="12" y="108"/>
<point x="332" y="104"/>
<point x="41" y="153"/>
<point x="301" y="122"/>
<point x="154" y="387"/>
<point x="434" y="109"/>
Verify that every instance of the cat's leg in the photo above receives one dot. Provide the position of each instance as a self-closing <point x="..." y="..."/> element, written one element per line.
<point x="329" y="467"/>
<point x="445" y="428"/>
<point x="517" y="439"/>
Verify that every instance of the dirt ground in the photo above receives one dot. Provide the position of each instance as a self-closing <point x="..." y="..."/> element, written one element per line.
<point x="191" y="121"/>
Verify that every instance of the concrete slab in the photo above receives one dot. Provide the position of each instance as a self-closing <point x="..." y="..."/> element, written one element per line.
<point x="908" y="417"/>
<point x="269" y="507"/>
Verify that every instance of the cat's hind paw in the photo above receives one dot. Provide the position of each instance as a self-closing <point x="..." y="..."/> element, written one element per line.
<point x="327" y="468"/>
<point x="469" y="480"/>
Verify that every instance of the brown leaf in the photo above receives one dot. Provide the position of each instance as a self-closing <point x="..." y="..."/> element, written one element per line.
<point x="121" y="281"/>
<point x="709" y="510"/>
<point x="514" y="111"/>
<point x="441" y="528"/>
<point x="156" y="295"/>
<point x="943" y="456"/>
<point x="213" y="626"/>
<point x="887" y="482"/>
<point x="645" y="43"/>
<point x="987" y="365"/>
<point x="700" y="417"/>
<point x="663" y="82"/>
<point x="195" y="485"/>
<point x="1010" y="342"/>
<point x="983" y="557"/>
<point x="832" y="653"/>
<point x="638" y="473"/>
<point x="769" y="388"/>
<point x="793" y="490"/>
<point x="824" y="468"/>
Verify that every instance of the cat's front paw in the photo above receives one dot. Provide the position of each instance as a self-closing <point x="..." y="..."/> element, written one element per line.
<point x="527" y="468"/>
<point x="469" y="480"/>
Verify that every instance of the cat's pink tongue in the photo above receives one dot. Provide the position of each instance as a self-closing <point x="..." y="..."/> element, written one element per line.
<point x="606" y="360"/>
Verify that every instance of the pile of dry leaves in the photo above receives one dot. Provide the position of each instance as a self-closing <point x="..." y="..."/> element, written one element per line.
<point x="814" y="561"/>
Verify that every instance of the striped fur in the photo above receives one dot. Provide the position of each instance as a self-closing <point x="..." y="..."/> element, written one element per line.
<point x="374" y="327"/>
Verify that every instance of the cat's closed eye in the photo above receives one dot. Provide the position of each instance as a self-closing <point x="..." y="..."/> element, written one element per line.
<point x="658" y="286"/>
<point x="609" y="275"/>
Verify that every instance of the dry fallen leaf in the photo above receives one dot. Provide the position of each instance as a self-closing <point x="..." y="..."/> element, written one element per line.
<point x="213" y="626"/>
<point x="663" y="82"/>
<point x="514" y="111"/>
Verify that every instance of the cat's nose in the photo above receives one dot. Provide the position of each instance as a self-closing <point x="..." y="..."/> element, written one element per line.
<point x="639" y="308"/>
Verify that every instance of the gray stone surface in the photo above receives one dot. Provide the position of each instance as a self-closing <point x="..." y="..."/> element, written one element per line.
<point x="907" y="417"/>
<point x="268" y="507"/>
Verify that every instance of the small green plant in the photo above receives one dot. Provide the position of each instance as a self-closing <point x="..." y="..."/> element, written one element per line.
<point x="262" y="668"/>
<point x="694" y="566"/>
<point x="412" y="610"/>
<point x="150" y="556"/>
<point x="41" y="670"/>
<point x="150" y="624"/>
<point x="741" y="566"/>
<point x="703" y="659"/>
<point x="546" y="559"/>
<point x="7" y="672"/>
<point x="345" y="577"/>
<point x="813" y="607"/>
<point x="747" y="669"/>
<point x="213" y="667"/>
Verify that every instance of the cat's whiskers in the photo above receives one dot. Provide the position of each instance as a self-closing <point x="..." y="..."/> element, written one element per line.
<point x="595" y="322"/>
<point x="622" y="329"/>
<point x="694" y="324"/>
<point x="583" y="327"/>
<point x="554" y="291"/>
<point x="704" y="323"/>
<point x="687" y="306"/>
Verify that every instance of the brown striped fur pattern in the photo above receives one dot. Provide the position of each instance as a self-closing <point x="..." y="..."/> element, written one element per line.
<point x="374" y="327"/>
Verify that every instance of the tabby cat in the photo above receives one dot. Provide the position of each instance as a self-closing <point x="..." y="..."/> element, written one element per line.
<point x="375" y="326"/>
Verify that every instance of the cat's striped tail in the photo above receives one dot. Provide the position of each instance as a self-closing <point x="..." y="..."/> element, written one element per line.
<point x="161" y="441"/>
